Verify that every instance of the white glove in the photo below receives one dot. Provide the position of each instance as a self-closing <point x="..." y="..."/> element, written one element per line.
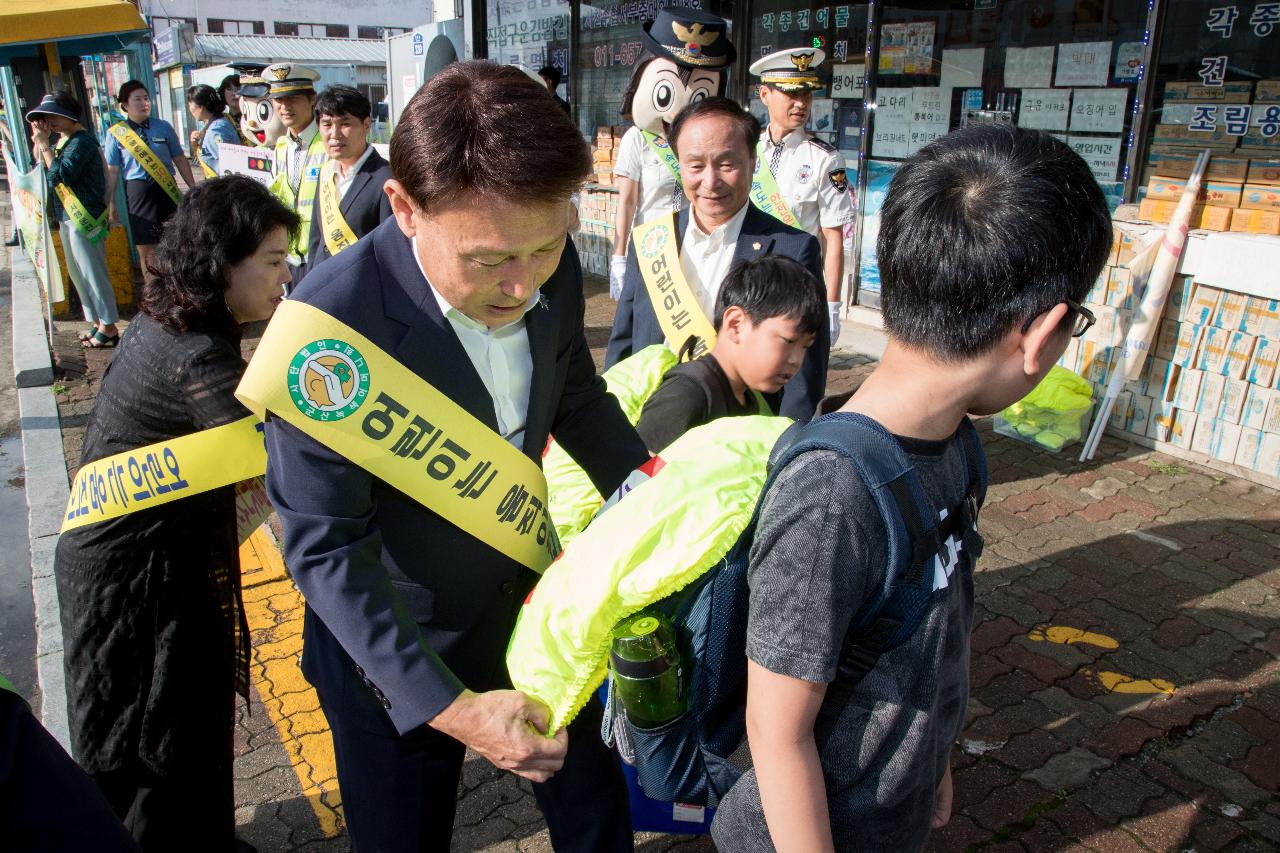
<point x="617" y="272"/>
<point x="834" y="309"/>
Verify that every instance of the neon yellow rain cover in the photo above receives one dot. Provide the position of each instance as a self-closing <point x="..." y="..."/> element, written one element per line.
<point x="659" y="538"/>
<point x="572" y="498"/>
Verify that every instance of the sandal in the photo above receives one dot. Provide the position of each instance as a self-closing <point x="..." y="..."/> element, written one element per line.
<point x="87" y="334"/>
<point x="100" y="341"/>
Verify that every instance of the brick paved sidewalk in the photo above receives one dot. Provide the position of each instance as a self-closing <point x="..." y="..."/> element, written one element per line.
<point x="1126" y="665"/>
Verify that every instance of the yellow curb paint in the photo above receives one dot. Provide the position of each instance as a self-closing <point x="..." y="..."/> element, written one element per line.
<point x="274" y="607"/>
<point x="1066" y="636"/>
<point x="1114" y="682"/>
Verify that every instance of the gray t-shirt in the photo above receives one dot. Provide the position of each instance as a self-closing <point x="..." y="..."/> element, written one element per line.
<point x="819" y="555"/>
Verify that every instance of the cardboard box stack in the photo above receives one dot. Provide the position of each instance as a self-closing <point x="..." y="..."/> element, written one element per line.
<point x="1241" y="190"/>
<point x="1211" y="383"/>
<point x="604" y="153"/>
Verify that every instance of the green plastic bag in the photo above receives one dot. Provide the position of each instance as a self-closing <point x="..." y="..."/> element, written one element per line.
<point x="659" y="538"/>
<point x="1054" y="414"/>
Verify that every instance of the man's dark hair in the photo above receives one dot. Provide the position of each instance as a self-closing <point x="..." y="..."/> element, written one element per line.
<point x="205" y="96"/>
<point x="482" y="128"/>
<point x="342" y="101"/>
<point x="774" y="286"/>
<point x="127" y="88"/>
<point x="983" y="230"/>
<point x="747" y="124"/>
<point x="551" y="74"/>
<point x="219" y="223"/>
<point x="68" y="102"/>
<point x="683" y="72"/>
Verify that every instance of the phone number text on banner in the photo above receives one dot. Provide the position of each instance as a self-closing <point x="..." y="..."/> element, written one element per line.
<point x="166" y="471"/>
<point x="339" y="388"/>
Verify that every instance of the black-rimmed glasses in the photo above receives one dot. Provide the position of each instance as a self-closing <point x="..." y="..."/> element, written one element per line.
<point x="1083" y="321"/>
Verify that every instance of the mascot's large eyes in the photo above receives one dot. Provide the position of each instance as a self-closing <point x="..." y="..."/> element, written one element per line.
<point x="664" y="95"/>
<point x="264" y="111"/>
<point x="699" y="94"/>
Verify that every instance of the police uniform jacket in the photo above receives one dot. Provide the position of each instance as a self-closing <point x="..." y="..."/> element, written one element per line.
<point x="812" y="178"/>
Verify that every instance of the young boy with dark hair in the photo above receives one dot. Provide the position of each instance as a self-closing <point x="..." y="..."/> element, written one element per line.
<point x="767" y="315"/>
<point x="989" y="239"/>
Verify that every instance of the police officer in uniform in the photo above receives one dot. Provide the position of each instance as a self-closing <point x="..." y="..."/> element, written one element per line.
<point x="300" y="152"/>
<point x="809" y="172"/>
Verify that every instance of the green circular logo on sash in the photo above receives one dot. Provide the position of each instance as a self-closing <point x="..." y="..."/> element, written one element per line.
<point x="654" y="242"/>
<point x="328" y="380"/>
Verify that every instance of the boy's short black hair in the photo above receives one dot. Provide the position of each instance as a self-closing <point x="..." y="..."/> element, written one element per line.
<point x="983" y="230"/>
<point x="748" y="125"/>
<point x="774" y="286"/>
<point x="342" y="100"/>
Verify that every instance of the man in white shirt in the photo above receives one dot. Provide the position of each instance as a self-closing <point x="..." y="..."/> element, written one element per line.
<point x="715" y="141"/>
<point x="473" y="287"/>
<point x="357" y="172"/>
<point x="808" y="172"/>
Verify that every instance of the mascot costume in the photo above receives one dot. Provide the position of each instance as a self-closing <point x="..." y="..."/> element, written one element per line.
<point x="689" y="51"/>
<point x="259" y="124"/>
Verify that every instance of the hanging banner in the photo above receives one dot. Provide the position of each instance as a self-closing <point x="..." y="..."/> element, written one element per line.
<point x="25" y="191"/>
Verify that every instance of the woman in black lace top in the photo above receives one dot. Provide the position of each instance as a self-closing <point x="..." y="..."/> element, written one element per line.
<point x="156" y="643"/>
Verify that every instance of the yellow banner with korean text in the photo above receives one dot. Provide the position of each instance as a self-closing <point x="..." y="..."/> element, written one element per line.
<point x="166" y="471"/>
<point x="767" y="195"/>
<point x="342" y="390"/>
<point x="679" y="314"/>
<point x="333" y="225"/>
<point x="147" y="159"/>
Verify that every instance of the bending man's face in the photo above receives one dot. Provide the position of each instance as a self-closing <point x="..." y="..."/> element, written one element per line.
<point x="486" y="256"/>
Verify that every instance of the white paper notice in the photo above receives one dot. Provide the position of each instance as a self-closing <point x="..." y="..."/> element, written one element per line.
<point x="1044" y="109"/>
<point x="892" y="134"/>
<point x="1099" y="110"/>
<point x="1028" y="67"/>
<point x="1102" y="153"/>
<point x="847" y="81"/>
<point x="243" y="160"/>
<point x="1086" y="63"/>
<point x="930" y="116"/>
<point x="962" y="68"/>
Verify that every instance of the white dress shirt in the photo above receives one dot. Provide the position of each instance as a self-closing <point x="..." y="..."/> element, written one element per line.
<point x="803" y="166"/>
<point x="706" y="258"/>
<point x="502" y="358"/>
<point x="660" y="192"/>
<point x="344" y="181"/>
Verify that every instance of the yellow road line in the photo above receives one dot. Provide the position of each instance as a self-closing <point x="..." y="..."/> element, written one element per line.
<point x="274" y="610"/>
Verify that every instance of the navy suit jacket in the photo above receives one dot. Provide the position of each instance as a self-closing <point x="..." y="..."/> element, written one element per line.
<point x="635" y="325"/>
<point x="397" y="597"/>
<point x="365" y="206"/>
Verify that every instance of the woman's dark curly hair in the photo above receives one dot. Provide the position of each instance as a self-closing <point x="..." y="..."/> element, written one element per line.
<point x="218" y="224"/>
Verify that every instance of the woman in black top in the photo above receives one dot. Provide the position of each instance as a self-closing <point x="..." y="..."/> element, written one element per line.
<point x="156" y="643"/>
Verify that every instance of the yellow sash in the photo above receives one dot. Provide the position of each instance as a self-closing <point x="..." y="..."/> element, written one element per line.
<point x="93" y="230"/>
<point x="673" y="300"/>
<point x="204" y="167"/>
<point x="336" y="386"/>
<point x="766" y="194"/>
<point x="337" y="233"/>
<point x="166" y="471"/>
<point x="147" y="159"/>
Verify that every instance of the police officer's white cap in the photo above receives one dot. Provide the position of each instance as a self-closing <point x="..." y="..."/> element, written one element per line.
<point x="286" y="78"/>
<point x="791" y="70"/>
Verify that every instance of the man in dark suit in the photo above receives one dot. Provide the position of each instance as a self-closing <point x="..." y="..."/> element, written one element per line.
<point x="475" y="289"/>
<point x="355" y="167"/>
<point x="715" y="141"/>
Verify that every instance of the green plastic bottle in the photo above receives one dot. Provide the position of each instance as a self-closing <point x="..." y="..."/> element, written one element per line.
<point x="648" y="672"/>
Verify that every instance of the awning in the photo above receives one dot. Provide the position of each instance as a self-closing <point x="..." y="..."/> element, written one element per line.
<point x="80" y="27"/>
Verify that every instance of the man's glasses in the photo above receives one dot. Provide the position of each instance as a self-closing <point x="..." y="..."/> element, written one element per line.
<point x="1084" y="318"/>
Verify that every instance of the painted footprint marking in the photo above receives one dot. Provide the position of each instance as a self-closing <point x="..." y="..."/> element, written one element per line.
<point x="1066" y="636"/>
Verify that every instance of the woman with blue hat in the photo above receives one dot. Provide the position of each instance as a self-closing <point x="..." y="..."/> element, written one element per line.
<point x="77" y="202"/>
